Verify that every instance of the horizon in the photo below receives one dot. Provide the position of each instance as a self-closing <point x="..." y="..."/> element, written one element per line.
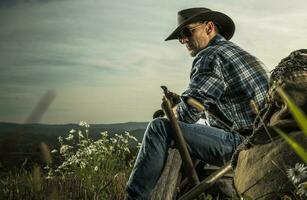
<point x="41" y="123"/>
<point x="105" y="60"/>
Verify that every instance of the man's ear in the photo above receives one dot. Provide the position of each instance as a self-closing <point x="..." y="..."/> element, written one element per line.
<point x="209" y="27"/>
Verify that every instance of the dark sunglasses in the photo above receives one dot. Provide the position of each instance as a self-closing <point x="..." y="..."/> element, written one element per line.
<point x="187" y="32"/>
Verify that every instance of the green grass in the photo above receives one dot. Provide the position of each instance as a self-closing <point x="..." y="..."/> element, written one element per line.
<point x="301" y="119"/>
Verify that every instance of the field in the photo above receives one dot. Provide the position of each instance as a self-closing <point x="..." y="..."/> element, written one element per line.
<point x="77" y="167"/>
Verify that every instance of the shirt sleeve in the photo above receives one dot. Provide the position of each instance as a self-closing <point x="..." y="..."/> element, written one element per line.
<point x="206" y="85"/>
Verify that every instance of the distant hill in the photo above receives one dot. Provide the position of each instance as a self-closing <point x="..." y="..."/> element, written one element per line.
<point x="29" y="134"/>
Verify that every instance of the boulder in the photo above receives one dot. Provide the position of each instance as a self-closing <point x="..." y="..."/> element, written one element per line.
<point x="261" y="170"/>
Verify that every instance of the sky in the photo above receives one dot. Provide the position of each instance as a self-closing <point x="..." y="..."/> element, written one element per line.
<point x="105" y="60"/>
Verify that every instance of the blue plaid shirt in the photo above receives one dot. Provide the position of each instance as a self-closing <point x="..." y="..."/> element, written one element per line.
<point x="226" y="78"/>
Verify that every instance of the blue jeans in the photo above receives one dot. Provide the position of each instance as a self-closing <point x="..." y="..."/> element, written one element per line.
<point x="211" y="145"/>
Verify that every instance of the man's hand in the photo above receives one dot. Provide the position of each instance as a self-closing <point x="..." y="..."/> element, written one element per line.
<point x="173" y="98"/>
<point x="158" y="113"/>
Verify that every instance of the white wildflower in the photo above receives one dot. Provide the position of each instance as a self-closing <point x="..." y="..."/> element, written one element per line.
<point x="298" y="173"/>
<point x="80" y="134"/>
<point x="54" y="151"/>
<point x="127" y="133"/>
<point x="49" y="177"/>
<point x="302" y="189"/>
<point x="60" y="138"/>
<point x="134" y="138"/>
<point x="113" y="140"/>
<point x="130" y="136"/>
<point x="64" y="148"/>
<point x="120" y="137"/>
<point x="104" y="148"/>
<point x="125" y="141"/>
<point x="82" y="165"/>
<point x="104" y="134"/>
<point x="127" y="149"/>
<point x="70" y="137"/>
<point x="96" y="168"/>
<point x="89" y="151"/>
<point x="82" y="123"/>
<point x="72" y="131"/>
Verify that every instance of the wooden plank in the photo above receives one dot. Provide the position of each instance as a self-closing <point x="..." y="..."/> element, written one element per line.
<point x="166" y="187"/>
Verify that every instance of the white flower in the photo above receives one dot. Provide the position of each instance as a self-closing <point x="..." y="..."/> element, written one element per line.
<point x="104" y="134"/>
<point x="120" y="137"/>
<point x="127" y="149"/>
<point x="54" y="151"/>
<point x="127" y="133"/>
<point x="64" y="148"/>
<point x="72" y="131"/>
<point x="82" y="165"/>
<point x="96" y="168"/>
<point x="70" y="137"/>
<point x="297" y="173"/>
<point x="49" y="177"/>
<point x="130" y="136"/>
<point x="60" y="138"/>
<point x="302" y="189"/>
<point x="89" y="151"/>
<point x="113" y="140"/>
<point x="83" y="123"/>
<point x="80" y="134"/>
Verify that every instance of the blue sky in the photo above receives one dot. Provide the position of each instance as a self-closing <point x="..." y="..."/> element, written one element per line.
<point x="106" y="59"/>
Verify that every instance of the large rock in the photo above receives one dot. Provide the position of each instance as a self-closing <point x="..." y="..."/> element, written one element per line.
<point x="261" y="170"/>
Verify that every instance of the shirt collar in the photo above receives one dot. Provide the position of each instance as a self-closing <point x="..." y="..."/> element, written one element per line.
<point x="217" y="38"/>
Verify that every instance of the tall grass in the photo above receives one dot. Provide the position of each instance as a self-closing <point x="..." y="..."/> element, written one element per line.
<point x="301" y="119"/>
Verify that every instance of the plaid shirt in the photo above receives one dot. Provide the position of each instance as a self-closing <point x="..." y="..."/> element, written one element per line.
<point x="225" y="78"/>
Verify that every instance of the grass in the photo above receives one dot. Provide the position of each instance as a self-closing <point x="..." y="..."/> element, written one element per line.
<point x="88" y="169"/>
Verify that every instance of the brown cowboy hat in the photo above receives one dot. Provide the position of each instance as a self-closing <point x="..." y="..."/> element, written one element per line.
<point x="184" y="17"/>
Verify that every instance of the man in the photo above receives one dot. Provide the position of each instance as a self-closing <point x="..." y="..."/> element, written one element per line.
<point x="224" y="78"/>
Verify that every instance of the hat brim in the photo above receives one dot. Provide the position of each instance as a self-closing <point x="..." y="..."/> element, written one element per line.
<point x="226" y="25"/>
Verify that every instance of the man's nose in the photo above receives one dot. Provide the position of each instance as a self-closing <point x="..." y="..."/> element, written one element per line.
<point x="183" y="40"/>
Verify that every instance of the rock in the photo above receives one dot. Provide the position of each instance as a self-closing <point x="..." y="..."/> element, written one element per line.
<point x="261" y="170"/>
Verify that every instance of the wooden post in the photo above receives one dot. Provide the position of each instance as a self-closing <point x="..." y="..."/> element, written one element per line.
<point x="166" y="187"/>
<point x="180" y="143"/>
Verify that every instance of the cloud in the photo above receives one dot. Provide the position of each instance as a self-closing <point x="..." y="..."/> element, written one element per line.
<point x="93" y="52"/>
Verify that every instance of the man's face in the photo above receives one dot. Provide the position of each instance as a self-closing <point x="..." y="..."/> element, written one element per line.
<point x="195" y="37"/>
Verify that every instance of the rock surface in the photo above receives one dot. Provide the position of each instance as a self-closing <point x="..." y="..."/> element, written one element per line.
<point x="261" y="170"/>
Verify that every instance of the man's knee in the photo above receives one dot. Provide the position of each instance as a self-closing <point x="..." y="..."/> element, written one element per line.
<point x="159" y="126"/>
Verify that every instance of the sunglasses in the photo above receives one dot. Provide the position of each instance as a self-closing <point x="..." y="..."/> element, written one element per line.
<point x="187" y="32"/>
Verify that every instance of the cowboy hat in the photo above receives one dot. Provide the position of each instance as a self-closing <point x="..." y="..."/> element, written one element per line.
<point x="184" y="17"/>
